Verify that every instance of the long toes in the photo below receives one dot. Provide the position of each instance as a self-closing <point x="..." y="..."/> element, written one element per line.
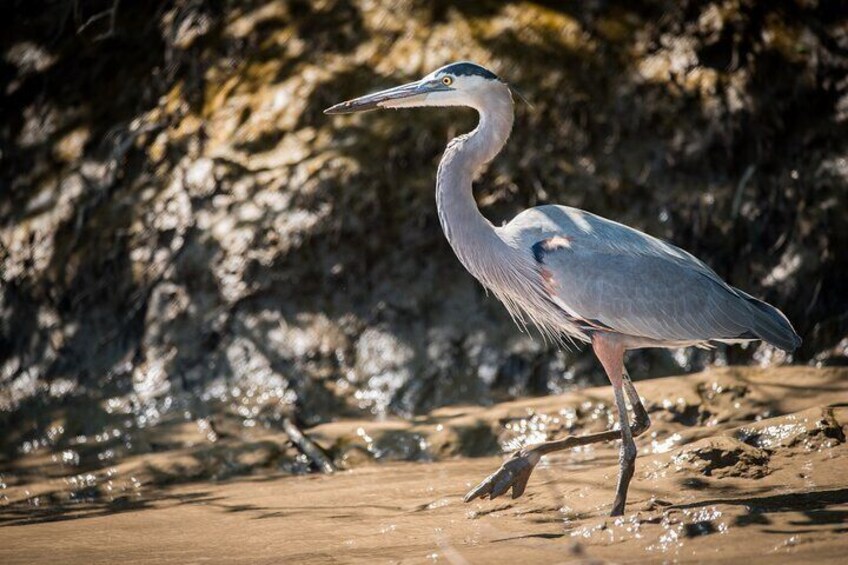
<point x="514" y="473"/>
<point x="502" y="484"/>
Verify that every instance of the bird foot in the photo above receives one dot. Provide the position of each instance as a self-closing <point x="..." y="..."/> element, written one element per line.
<point x="515" y="472"/>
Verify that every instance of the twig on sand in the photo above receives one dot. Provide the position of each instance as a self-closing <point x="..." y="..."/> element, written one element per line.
<point x="308" y="447"/>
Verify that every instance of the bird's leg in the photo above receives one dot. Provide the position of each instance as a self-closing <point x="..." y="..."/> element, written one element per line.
<point x="627" y="455"/>
<point x="610" y="353"/>
<point x="517" y="469"/>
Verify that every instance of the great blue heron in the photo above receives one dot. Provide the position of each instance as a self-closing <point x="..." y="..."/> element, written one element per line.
<point x="578" y="277"/>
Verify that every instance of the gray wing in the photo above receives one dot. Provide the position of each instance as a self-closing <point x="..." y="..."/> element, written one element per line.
<point x="618" y="278"/>
<point x="643" y="295"/>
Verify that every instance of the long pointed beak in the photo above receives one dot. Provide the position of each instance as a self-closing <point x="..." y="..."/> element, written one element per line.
<point x="399" y="96"/>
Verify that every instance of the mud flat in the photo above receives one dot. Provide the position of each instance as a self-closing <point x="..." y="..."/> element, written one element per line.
<point x="740" y="464"/>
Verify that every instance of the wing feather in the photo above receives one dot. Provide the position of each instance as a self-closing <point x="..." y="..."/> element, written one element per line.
<point x="646" y="296"/>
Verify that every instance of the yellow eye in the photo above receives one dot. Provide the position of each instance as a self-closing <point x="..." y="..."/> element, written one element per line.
<point x="447" y="81"/>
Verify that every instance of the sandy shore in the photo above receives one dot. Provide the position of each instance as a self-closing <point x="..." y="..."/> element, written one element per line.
<point x="740" y="465"/>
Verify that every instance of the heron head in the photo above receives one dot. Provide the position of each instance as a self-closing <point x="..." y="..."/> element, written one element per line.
<point x="457" y="84"/>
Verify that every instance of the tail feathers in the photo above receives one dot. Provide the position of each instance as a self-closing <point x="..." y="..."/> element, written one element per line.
<point x="771" y="325"/>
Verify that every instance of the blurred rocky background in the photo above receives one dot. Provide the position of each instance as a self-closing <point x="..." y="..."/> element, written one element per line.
<point x="184" y="236"/>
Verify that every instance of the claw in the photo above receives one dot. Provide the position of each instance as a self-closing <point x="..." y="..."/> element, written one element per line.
<point x="515" y="472"/>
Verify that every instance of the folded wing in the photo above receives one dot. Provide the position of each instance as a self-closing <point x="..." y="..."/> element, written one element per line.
<point x="670" y="297"/>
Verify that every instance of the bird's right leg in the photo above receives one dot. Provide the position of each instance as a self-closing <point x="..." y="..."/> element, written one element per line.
<point x="515" y="472"/>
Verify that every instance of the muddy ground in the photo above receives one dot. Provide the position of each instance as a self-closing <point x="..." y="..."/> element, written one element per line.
<point x="739" y="464"/>
<point x="180" y="219"/>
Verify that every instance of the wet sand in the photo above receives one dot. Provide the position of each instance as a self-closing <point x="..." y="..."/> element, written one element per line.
<point x="740" y="465"/>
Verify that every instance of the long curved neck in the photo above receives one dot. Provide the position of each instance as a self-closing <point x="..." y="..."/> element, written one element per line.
<point x="469" y="233"/>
